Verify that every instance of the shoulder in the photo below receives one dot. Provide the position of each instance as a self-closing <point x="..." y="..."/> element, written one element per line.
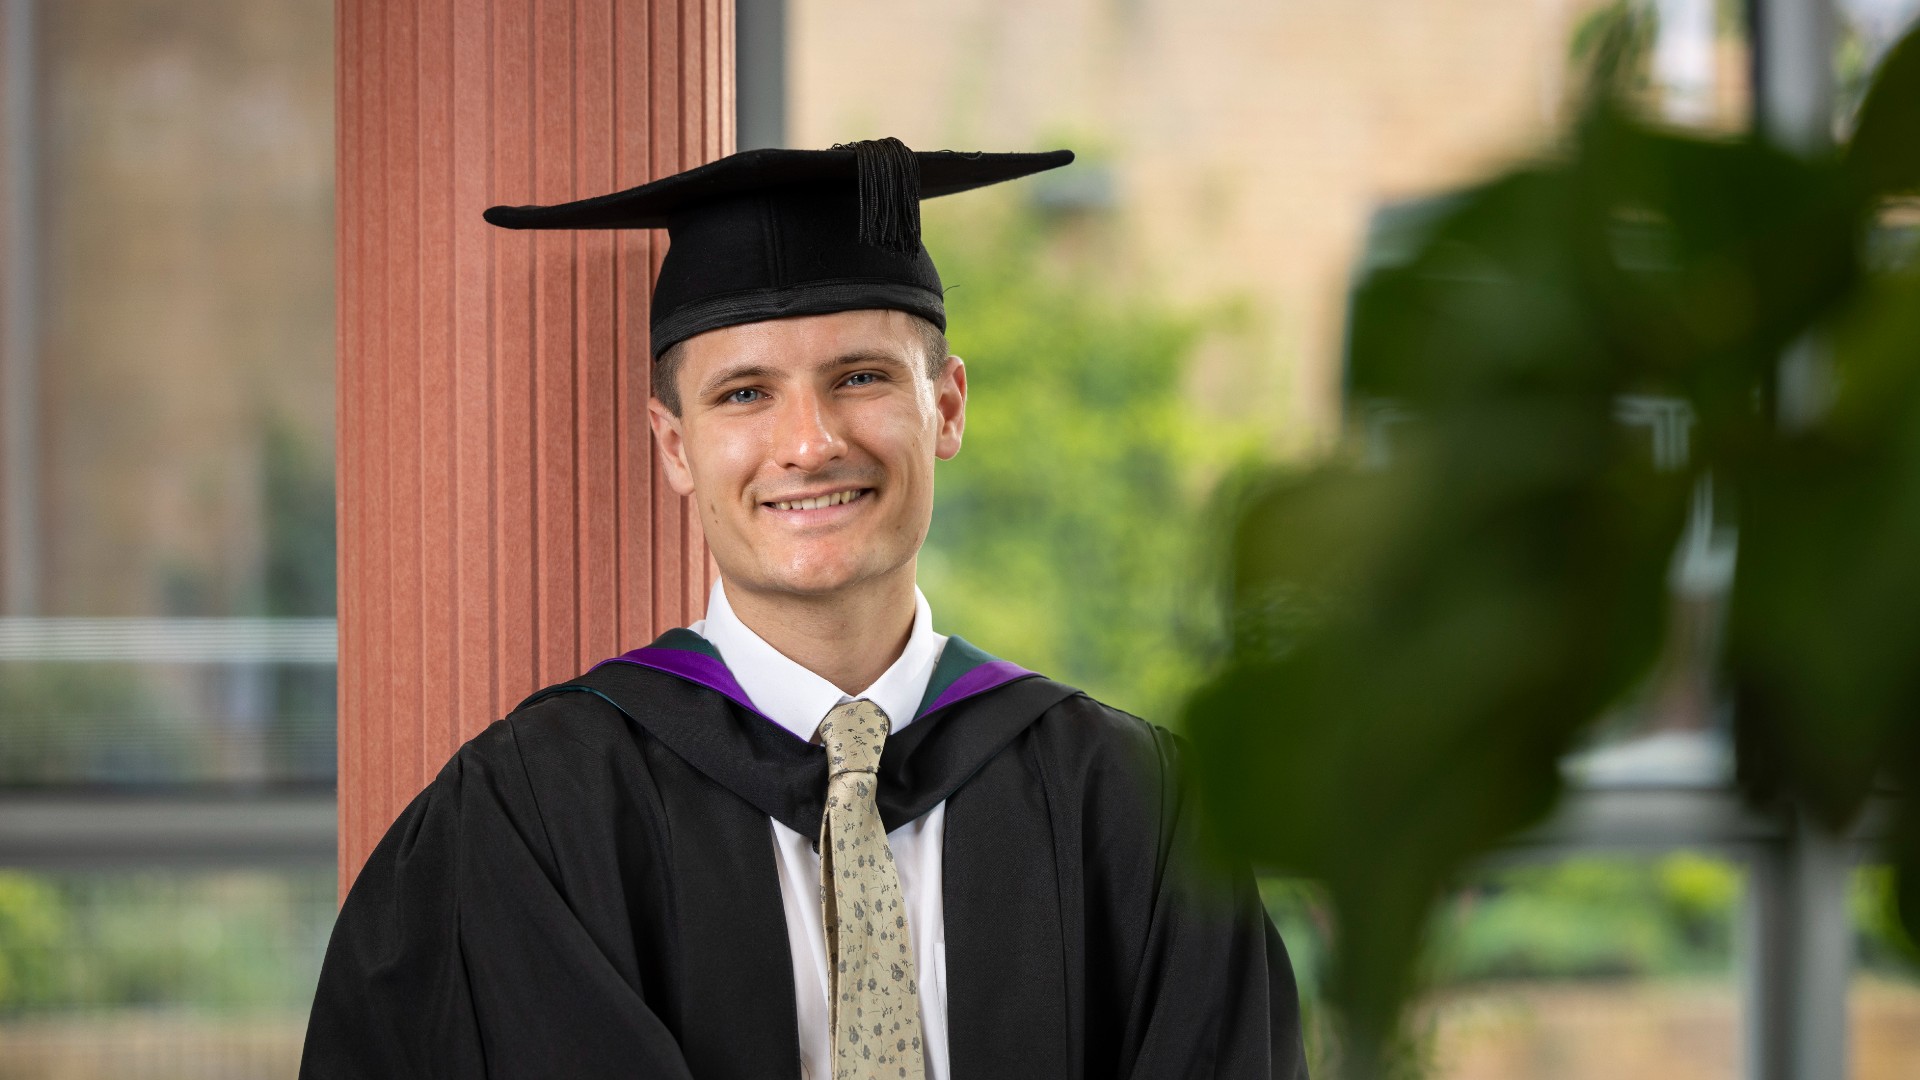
<point x="569" y="717"/>
<point x="1116" y="778"/>
<point x="1105" y="751"/>
<point x="1068" y="720"/>
<point x="560" y="728"/>
<point x="1090" y="725"/>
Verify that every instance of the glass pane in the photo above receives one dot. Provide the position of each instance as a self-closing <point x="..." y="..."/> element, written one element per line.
<point x="166" y="550"/>
<point x="1884" y="1006"/>
<point x="166" y="567"/>
<point x="117" y="724"/>
<point x="1697" y="62"/>
<point x="1594" y="967"/>
<point x="158" y="974"/>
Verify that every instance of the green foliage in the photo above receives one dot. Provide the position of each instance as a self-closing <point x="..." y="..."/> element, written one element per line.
<point x="1885" y="945"/>
<point x="1424" y="625"/>
<point x="1614" y="43"/>
<point x="298" y="496"/>
<point x="219" y="942"/>
<point x="1592" y="917"/>
<point x="33" y="925"/>
<point x="1299" y="913"/>
<point x="299" y="580"/>
<point x="1063" y="536"/>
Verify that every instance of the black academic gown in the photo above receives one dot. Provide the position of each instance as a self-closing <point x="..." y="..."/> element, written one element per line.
<point x="588" y="889"/>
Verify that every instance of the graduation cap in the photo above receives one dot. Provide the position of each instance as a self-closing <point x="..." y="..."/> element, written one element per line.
<point x="765" y="234"/>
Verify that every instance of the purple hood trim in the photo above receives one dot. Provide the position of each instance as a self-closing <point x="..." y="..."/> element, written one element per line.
<point x="978" y="680"/>
<point x="694" y="667"/>
<point x="708" y="671"/>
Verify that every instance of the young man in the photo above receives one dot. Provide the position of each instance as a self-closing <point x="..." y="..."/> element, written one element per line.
<point x="807" y="836"/>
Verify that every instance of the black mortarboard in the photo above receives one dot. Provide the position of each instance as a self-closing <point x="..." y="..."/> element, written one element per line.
<point x="764" y="234"/>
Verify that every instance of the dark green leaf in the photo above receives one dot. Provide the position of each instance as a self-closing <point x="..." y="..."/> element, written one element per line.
<point x="1884" y="156"/>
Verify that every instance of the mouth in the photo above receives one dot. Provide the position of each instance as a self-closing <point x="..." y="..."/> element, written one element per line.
<point x="814" y="504"/>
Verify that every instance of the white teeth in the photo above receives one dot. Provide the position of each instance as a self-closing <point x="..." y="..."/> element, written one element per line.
<point x="819" y="502"/>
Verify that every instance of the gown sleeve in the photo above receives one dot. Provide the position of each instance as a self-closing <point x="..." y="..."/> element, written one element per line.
<point x="456" y="953"/>
<point x="1213" y="992"/>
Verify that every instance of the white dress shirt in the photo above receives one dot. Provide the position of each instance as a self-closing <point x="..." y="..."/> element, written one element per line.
<point x="798" y="700"/>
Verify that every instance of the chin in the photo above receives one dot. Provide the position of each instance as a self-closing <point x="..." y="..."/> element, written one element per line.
<point x="818" y="576"/>
<point x="813" y="581"/>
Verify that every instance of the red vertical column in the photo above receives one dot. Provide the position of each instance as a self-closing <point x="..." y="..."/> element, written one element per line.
<point x="503" y="522"/>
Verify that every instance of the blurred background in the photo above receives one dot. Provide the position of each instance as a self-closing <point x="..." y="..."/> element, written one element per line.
<point x="1135" y="327"/>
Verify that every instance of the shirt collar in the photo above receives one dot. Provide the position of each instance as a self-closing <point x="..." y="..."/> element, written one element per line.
<point x="796" y="698"/>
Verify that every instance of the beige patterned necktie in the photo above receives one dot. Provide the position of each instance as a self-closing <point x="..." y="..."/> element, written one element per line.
<point x="873" y="997"/>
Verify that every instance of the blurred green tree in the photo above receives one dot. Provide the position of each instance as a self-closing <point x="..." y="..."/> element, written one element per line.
<point x="1593" y="917"/>
<point x="33" y="925"/>
<point x="217" y="942"/>
<point x="1064" y="536"/>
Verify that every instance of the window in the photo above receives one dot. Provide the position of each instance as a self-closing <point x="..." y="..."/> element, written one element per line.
<point x="166" y="532"/>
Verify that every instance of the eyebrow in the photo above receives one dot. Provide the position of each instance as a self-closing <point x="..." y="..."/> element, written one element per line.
<point x="858" y="357"/>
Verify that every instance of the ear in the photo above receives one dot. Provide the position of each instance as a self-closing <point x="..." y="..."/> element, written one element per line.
<point x="673" y="446"/>
<point x="950" y="399"/>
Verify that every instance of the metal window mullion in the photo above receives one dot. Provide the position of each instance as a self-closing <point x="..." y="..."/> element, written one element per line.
<point x="1800" y="954"/>
<point x="760" y="73"/>
<point x="19" y="312"/>
<point x="103" y="830"/>
<point x="1793" y="75"/>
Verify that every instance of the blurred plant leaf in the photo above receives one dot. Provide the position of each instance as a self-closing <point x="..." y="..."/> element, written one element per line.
<point x="1613" y="43"/>
<point x="1424" y="626"/>
<point x="1436" y="633"/>
<point x="1712" y="257"/>
<point x="1905" y="852"/>
<point x="1884" y="156"/>
<point x="1824" y="624"/>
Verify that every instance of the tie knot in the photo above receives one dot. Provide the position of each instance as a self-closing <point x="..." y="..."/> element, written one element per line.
<point x="854" y="734"/>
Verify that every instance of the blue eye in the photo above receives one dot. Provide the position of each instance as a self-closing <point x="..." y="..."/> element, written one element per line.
<point x="736" y="397"/>
<point x="868" y="376"/>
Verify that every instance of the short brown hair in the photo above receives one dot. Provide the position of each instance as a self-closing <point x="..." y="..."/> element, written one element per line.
<point x="666" y="367"/>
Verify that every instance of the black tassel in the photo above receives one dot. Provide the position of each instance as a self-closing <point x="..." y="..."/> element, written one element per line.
<point x="889" y="194"/>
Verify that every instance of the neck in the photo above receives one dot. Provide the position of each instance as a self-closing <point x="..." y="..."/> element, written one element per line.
<point x="848" y="638"/>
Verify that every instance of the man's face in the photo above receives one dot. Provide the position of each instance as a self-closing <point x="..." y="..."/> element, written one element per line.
<point x="808" y="444"/>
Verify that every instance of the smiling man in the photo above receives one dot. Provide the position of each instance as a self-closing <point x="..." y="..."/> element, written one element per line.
<point x="807" y="836"/>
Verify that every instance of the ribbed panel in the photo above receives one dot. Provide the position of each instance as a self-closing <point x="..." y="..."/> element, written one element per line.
<point x="502" y="520"/>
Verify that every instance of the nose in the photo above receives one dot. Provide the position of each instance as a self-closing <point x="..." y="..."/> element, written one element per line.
<point x="807" y="433"/>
